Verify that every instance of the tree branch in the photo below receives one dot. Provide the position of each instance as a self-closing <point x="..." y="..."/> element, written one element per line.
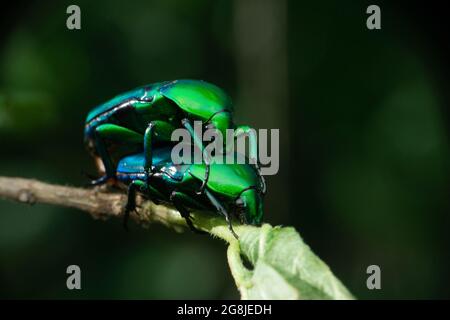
<point x="103" y="203"/>
<point x="282" y="266"/>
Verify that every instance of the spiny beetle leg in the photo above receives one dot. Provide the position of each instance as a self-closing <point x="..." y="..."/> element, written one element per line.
<point x="198" y="142"/>
<point x="156" y="130"/>
<point x="230" y="226"/>
<point x="131" y="203"/>
<point x="175" y="198"/>
<point x="221" y="210"/>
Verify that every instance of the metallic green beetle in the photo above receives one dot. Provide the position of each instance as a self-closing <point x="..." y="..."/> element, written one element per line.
<point x="140" y="119"/>
<point x="235" y="188"/>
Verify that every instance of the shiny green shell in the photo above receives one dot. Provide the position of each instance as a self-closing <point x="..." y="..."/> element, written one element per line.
<point x="197" y="97"/>
<point x="227" y="179"/>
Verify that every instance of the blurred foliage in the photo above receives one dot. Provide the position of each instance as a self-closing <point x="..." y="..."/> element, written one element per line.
<point x="368" y="176"/>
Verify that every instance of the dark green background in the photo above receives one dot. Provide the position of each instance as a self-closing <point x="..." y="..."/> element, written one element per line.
<point x="363" y="121"/>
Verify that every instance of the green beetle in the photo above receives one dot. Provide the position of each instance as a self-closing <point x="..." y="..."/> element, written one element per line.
<point x="142" y="118"/>
<point x="235" y="188"/>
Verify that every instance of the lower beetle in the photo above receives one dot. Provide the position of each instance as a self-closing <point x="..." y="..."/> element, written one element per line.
<point x="231" y="188"/>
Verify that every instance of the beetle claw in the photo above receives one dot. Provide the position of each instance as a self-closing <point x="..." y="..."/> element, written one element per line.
<point x="192" y="227"/>
<point x="234" y="233"/>
<point x="149" y="172"/>
<point x="98" y="182"/>
<point x="230" y="227"/>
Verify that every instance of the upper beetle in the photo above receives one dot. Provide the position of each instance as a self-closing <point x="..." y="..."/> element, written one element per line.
<point x="143" y="117"/>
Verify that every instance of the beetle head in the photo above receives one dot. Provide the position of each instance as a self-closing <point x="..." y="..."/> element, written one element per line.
<point x="249" y="206"/>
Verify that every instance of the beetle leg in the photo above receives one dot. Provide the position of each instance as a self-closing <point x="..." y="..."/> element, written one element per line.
<point x="199" y="143"/>
<point x="112" y="132"/>
<point x="221" y="210"/>
<point x="177" y="199"/>
<point x="156" y="130"/>
<point x="130" y="206"/>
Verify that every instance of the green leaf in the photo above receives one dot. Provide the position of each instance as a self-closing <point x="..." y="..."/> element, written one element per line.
<point x="283" y="266"/>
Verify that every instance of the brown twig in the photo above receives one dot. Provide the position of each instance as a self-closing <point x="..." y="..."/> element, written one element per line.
<point x="102" y="203"/>
<point x="99" y="202"/>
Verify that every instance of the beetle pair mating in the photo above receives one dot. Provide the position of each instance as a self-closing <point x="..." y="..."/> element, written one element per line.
<point x="130" y="138"/>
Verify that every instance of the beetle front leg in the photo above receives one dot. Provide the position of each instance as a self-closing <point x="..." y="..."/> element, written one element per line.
<point x="130" y="206"/>
<point x="156" y="130"/>
<point x="131" y="200"/>
<point x="178" y="198"/>
<point x="199" y="143"/>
